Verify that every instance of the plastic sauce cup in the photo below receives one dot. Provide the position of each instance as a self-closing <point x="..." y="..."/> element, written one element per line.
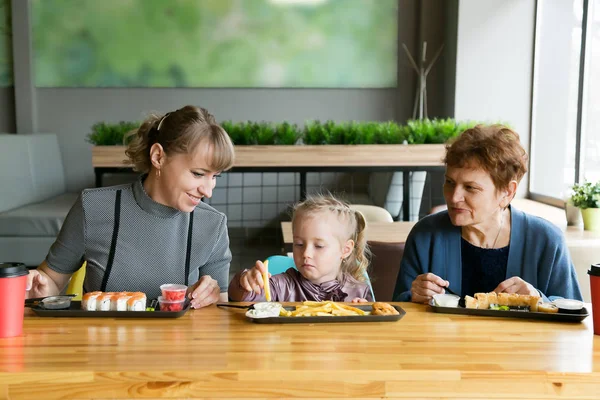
<point x="446" y="300"/>
<point x="173" y="292"/>
<point x="168" y="305"/>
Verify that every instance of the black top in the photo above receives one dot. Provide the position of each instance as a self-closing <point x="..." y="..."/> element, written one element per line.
<point x="482" y="269"/>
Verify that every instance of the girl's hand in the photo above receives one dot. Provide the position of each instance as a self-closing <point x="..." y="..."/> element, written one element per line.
<point x="204" y="292"/>
<point x="516" y="285"/>
<point x="425" y="286"/>
<point x="359" y="300"/>
<point x="251" y="280"/>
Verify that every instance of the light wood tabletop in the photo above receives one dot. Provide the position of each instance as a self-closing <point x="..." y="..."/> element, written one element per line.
<point x="318" y="156"/>
<point x="217" y="353"/>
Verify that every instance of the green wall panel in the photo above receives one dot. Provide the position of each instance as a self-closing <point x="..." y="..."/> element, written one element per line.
<point x="215" y="43"/>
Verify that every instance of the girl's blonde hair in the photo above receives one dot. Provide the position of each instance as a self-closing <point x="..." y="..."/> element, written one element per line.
<point x="180" y="132"/>
<point x="357" y="263"/>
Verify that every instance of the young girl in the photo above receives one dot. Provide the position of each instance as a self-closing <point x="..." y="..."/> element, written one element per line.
<point x="330" y="254"/>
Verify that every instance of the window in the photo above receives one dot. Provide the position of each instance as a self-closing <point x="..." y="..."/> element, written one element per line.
<point x="590" y="137"/>
<point x="555" y="98"/>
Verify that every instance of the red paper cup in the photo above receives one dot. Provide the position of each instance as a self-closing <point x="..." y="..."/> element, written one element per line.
<point x="594" y="273"/>
<point x="13" y="282"/>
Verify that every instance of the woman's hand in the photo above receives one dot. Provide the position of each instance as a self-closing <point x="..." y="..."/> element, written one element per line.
<point x="359" y="300"/>
<point x="425" y="286"/>
<point x="38" y="285"/>
<point x="516" y="285"/>
<point x="251" y="280"/>
<point x="204" y="292"/>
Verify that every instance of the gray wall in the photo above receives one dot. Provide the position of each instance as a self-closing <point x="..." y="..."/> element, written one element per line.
<point x="494" y="60"/>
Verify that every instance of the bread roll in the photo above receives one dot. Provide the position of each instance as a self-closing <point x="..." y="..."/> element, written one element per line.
<point x="547" y="308"/>
<point x="470" y="302"/>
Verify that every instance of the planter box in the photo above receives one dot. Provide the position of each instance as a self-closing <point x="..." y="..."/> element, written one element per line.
<point x="350" y="158"/>
<point x="384" y="156"/>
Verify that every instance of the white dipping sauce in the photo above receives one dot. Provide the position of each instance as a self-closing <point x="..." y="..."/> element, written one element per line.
<point x="446" y="300"/>
<point x="264" y="310"/>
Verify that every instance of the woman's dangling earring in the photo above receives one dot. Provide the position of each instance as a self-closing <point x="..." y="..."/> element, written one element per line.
<point x="158" y="174"/>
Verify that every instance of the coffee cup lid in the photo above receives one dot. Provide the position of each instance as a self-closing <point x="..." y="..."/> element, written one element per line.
<point x="12" y="269"/>
<point x="594" y="270"/>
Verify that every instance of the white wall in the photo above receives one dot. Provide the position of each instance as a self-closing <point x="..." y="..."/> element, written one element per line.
<point x="494" y="64"/>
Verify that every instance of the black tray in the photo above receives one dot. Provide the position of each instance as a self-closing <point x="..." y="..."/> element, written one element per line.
<point x="338" y="318"/>
<point x="75" y="311"/>
<point x="557" y="317"/>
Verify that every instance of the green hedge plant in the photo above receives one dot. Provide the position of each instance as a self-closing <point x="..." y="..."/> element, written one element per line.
<point x="435" y="131"/>
<point x="104" y="134"/>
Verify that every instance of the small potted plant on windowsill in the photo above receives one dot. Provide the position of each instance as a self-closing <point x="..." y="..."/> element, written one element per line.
<point x="586" y="196"/>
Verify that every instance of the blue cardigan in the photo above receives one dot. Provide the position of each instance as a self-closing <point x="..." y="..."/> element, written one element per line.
<point x="538" y="254"/>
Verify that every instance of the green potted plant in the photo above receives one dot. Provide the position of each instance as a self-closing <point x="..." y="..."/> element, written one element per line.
<point x="586" y="196"/>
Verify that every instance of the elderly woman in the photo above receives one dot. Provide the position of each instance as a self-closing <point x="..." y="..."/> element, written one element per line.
<point x="482" y="243"/>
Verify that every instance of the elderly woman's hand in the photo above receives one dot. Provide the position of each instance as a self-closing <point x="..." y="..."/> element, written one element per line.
<point x="204" y="292"/>
<point x="425" y="286"/>
<point x="516" y="285"/>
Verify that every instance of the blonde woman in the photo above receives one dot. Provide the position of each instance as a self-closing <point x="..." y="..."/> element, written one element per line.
<point x="156" y="230"/>
<point x="330" y="255"/>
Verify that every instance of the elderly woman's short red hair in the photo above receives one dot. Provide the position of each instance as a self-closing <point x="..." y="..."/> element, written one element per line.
<point x="496" y="149"/>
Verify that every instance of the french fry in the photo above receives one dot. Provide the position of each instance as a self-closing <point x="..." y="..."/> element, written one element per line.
<point x="265" y="277"/>
<point x="341" y="306"/>
<point x="310" y="303"/>
<point x="304" y="310"/>
<point x="323" y="309"/>
<point x="284" y="313"/>
<point x="343" y="312"/>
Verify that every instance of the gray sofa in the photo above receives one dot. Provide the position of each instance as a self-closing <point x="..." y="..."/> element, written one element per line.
<point x="33" y="197"/>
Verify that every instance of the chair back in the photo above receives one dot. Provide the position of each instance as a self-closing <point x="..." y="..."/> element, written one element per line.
<point x="385" y="267"/>
<point x="280" y="264"/>
<point x="76" y="283"/>
<point x="373" y="213"/>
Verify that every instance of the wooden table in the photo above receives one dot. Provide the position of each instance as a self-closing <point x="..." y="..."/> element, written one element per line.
<point x="216" y="353"/>
<point x="394" y="232"/>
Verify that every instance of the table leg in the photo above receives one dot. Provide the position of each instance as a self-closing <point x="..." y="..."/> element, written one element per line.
<point x="98" y="174"/>
<point x="406" y="196"/>
<point x="302" y="186"/>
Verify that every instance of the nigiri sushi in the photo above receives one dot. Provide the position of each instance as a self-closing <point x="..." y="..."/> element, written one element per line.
<point x="103" y="302"/>
<point x="137" y="302"/>
<point x="118" y="301"/>
<point x="88" y="301"/>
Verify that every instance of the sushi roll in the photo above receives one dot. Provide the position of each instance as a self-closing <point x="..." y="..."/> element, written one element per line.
<point x="137" y="302"/>
<point x="88" y="301"/>
<point x="103" y="302"/>
<point x="118" y="301"/>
